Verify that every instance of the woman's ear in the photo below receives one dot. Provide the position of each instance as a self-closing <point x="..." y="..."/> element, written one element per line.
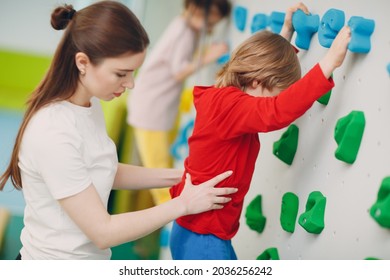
<point x="82" y="61"/>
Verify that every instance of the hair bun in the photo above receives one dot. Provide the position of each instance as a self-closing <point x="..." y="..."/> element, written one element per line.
<point x="61" y="17"/>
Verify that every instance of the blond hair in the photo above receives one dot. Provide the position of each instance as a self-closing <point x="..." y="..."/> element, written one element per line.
<point x="264" y="57"/>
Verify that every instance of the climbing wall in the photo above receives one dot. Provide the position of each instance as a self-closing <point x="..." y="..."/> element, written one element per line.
<point x="319" y="190"/>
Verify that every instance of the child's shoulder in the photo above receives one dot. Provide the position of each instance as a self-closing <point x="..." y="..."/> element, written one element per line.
<point x="215" y="93"/>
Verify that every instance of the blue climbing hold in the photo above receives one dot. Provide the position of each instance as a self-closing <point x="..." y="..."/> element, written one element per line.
<point x="388" y="68"/>
<point x="223" y="59"/>
<point x="276" y="20"/>
<point x="179" y="149"/>
<point x="361" y="30"/>
<point x="331" y="23"/>
<point x="259" y="22"/>
<point x="240" y="15"/>
<point x="305" y="26"/>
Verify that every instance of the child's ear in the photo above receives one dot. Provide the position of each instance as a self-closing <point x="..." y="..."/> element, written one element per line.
<point x="255" y="84"/>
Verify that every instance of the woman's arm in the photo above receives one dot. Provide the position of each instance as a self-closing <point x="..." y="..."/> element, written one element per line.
<point x="104" y="230"/>
<point x="133" y="177"/>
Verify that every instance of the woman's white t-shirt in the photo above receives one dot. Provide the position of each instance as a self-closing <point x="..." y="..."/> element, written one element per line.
<point x="65" y="149"/>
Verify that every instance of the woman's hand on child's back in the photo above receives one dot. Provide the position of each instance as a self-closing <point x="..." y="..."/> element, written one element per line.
<point x="204" y="197"/>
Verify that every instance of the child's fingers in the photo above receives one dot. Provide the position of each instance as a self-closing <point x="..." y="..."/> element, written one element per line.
<point x="299" y="6"/>
<point x="303" y="7"/>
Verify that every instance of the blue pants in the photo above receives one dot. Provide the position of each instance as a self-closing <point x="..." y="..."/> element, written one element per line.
<point x="188" y="245"/>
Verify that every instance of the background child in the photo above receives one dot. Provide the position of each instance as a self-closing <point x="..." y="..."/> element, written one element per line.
<point x="153" y="104"/>
<point x="258" y="90"/>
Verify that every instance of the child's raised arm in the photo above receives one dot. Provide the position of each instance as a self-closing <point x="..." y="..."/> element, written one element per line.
<point x="288" y="28"/>
<point x="336" y="53"/>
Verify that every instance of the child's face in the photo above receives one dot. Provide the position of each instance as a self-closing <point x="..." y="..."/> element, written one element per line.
<point x="197" y="18"/>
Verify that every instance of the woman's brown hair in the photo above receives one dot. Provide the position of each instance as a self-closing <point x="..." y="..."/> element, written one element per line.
<point x="265" y="57"/>
<point x="102" y="30"/>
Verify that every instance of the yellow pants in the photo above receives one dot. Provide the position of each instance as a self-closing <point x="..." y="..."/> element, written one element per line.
<point x="154" y="152"/>
<point x="4" y="218"/>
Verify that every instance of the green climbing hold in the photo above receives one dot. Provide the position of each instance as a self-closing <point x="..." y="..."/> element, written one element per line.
<point x="324" y="100"/>
<point x="312" y="220"/>
<point x="286" y="147"/>
<point x="254" y="215"/>
<point x="289" y="212"/>
<point x="380" y="211"/>
<point x="348" y="135"/>
<point x="269" y="254"/>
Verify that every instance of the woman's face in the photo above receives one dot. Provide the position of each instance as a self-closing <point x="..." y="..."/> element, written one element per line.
<point x="110" y="78"/>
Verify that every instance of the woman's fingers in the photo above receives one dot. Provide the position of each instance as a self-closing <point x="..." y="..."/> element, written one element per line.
<point x="217" y="179"/>
<point x="214" y="181"/>
<point x="222" y="199"/>
<point x="203" y="197"/>
<point x="224" y="191"/>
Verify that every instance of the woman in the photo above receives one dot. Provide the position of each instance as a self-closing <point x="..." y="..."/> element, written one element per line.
<point x="65" y="162"/>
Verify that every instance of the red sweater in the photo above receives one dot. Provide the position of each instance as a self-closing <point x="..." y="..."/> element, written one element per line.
<point x="225" y="137"/>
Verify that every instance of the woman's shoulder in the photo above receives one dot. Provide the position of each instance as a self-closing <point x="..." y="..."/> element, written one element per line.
<point x="54" y="114"/>
<point x="52" y="125"/>
<point x="53" y="118"/>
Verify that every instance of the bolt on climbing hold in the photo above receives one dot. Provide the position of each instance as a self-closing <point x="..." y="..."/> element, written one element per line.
<point x="361" y="31"/>
<point x="286" y="147"/>
<point x="348" y="135"/>
<point x="380" y="210"/>
<point x="289" y="211"/>
<point x="254" y="215"/>
<point x="331" y="23"/>
<point x="269" y="254"/>
<point x="312" y="220"/>
<point x="305" y="26"/>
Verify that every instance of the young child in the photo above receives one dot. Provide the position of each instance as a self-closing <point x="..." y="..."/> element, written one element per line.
<point x="259" y="90"/>
<point x="153" y="104"/>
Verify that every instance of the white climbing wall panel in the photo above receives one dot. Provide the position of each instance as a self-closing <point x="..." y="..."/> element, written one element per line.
<point x="362" y="83"/>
